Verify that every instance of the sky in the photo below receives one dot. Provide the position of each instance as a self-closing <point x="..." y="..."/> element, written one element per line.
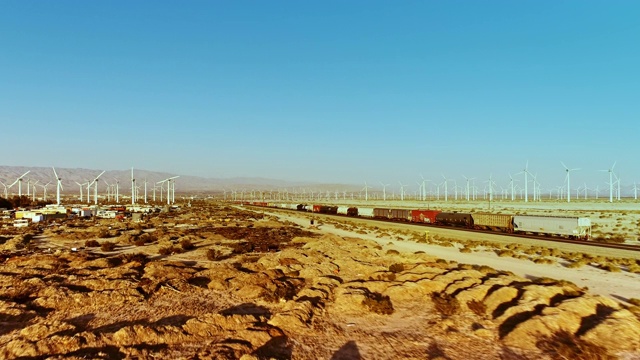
<point x="324" y="91"/>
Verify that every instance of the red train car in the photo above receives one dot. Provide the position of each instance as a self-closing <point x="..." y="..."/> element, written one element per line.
<point x="424" y="216"/>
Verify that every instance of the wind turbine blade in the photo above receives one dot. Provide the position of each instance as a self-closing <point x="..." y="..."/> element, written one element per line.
<point x="565" y="166"/>
<point x="614" y="165"/>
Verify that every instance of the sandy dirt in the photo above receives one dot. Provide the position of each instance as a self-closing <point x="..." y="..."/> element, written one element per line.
<point x="214" y="282"/>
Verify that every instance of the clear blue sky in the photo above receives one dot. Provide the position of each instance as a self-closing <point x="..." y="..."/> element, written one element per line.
<point x="328" y="91"/>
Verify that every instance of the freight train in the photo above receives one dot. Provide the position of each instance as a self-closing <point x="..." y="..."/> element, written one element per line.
<point x="562" y="226"/>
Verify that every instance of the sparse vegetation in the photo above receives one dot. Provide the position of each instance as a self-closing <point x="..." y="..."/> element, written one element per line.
<point x="564" y="345"/>
<point x="91" y="243"/>
<point x="445" y="304"/>
<point x="107" y="246"/>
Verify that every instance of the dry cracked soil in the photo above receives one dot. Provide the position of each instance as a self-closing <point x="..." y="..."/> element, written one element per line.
<point x="215" y="282"/>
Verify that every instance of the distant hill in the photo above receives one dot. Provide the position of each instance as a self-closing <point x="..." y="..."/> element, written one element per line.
<point x="185" y="183"/>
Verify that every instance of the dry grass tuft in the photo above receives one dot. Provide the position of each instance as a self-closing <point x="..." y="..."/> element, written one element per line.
<point x="610" y="267"/>
<point x="378" y="303"/>
<point x="91" y="243"/>
<point x="445" y="304"/>
<point x="564" y="345"/>
<point x="107" y="246"/>
<point x="477" y="307"/>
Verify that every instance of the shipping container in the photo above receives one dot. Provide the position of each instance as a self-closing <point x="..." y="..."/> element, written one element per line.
<point x="424" y="216"/>
<point x="554" y="225"/>
<point x="326" y="209"/>
<point x="381" y="213"/>
<point x="454" y="219"/>
<point x="400" y="214"/>
<point x="343" y="210"/>
<point x="495" y="222"/>
<point x="352" y="211"/>
<point x="366" y="212"/>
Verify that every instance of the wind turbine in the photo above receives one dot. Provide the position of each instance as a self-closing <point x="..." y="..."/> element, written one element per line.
<point x="384" y="191"/>
<point x="81" y="191"/>
<point x="33" y="192"/>
<point x="133" y="189"/>
<point x="526" y="181"/>
<point x="19" y="181"/>
<point x="5" y="189"/>
<point x="117" y="190"/>
<point x="568" y="178"/>
<point x="58" y="186"/>
<point x="366" y="191"/>
<point x="610" y="171"/>
<point x="44" y="188"/>
<point x="468" y="192"/>
<point x="401" y="190"/>
<point x="95" y="192"/>
<point x="145" y="190"/>
<point x="446" y="187"/>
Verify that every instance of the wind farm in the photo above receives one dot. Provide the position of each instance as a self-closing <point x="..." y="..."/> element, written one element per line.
<point x="319" y="180"/>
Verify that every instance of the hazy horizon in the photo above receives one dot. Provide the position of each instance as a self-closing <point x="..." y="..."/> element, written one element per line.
<point x="326" y="92"/>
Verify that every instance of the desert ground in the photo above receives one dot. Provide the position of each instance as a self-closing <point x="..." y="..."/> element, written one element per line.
<point x="218" y="281"/>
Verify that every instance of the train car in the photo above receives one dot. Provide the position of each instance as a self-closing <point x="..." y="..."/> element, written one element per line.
<point x="308" y="208"/>
<point x="454" y="219"/>
<point x="352" y="211"/>
<point x="573" y="227"/>
<point x="381" y="213"/>
<point x="493" y="222"/>
<point x="326" y="209"/>
<point x="366" y="212"/>
<point x="400" y="214"/>
<point x="301" y="207"/>
<point x="424" y="216"/>
<point x="316" y="208"/>
<point x="343" y="210"/>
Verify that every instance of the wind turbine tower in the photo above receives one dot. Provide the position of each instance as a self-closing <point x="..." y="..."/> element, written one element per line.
<point x="610" y="171"/>
<point x="568" y="177"/>
<point x="58" y="186"/>
<point x="19" y="181"/>
<point x="384" y="191"/>
<point x="133" y="189"/>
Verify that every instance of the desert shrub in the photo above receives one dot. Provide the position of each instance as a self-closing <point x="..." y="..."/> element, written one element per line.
<point x="139" y="241"/>
<point x="148" y="238"/>
<point x="465" y="250"/>
<point x="485" y="269"/>
<point x="107" y="246"/>
<point x="634" y="301"/>
<point x="392" y="252"/>
<point x="477" y="307"/>
<point x="186" y="244"/>
<point x="544" y="261"/>
<point x="103" y="233"/>
<point x="215" y="254"/>
<point x="138" y="257"/>
<point x="445" y="304"/>
<point x="396" y="268"/>
<point x="578" y="264"/>
<point x="610" y="267"/>
<point x="505" y="253"/>
<point x="91" y="243"/>
<point x="168" y="250"/>
<point x="564" y="345"/>
<point x="378" y="303"/>
<point x="633" y="268"/>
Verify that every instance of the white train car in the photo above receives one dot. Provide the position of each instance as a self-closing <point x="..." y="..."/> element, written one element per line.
<point x="365" y="212"/>
<point x="342" y="210"/>
<point x="573" y="227"/>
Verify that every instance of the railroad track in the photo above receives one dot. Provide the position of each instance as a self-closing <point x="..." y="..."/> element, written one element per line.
<point x="519" y="235"/>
